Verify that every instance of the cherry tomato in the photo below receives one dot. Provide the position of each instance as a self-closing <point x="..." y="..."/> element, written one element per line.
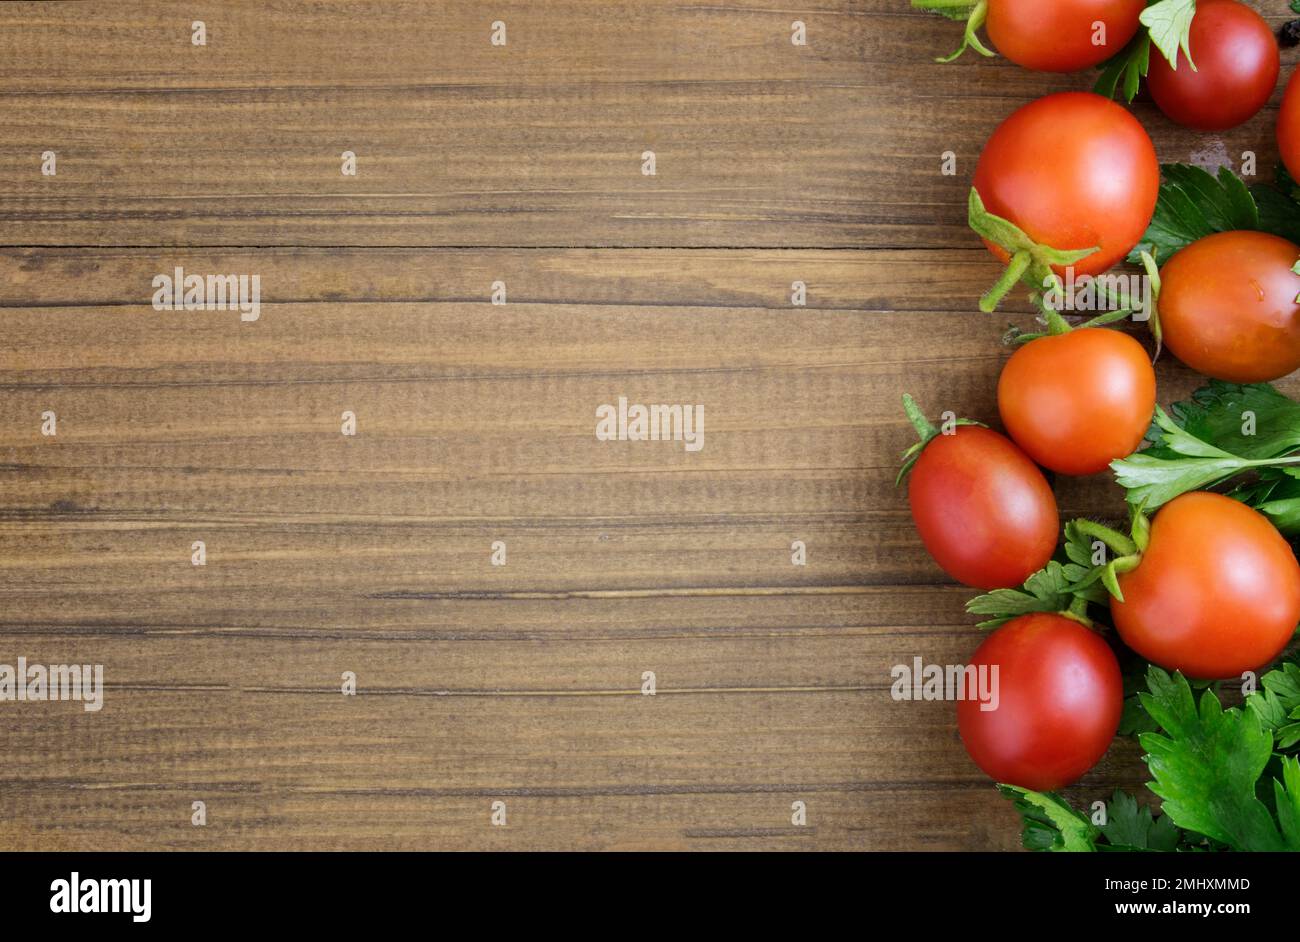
<point x="1288" y="126"/>
<point x="1227" y="306"/>
<point x="1216" y="593"/>
<point x="1059" y="699"/>
<point x="1061" y="35"/>
<point x="1237" y="65"/>
<point x="1074" y="171"/>
<point x="983" y="510"/>
<point x="1076" y="401"/>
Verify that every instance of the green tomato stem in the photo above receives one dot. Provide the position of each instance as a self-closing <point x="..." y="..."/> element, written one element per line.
<point x="1153" y="323"/>
<point x="924" y="427"/>
<point x="976" y="12"/>
<point x="1115" y="541"/>
<point x="1010" y="276"/>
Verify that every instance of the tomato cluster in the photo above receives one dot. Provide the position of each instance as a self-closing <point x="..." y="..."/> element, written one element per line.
<point x="1069" y="184"/>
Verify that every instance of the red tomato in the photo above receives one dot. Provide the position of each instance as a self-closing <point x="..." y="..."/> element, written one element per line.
<point x="983" y="510"/>
<point x="1288" y="127"/>
<point x="1062" y="35"/>
<point x="1216" y="593"/>
<point x="1075" y="402"/>
<point x="1227" y="306"/>
<point x="1074" y="171"/>
<point x="1060" y="695"/>
<point x="1236" y="70"/>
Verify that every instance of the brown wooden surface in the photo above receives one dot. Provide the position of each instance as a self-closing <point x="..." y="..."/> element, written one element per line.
<point x="371" y="554"/>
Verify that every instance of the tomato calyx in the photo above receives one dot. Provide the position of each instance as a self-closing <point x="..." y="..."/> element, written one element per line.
<point x="927" y="431"/>
<point x="1031" y="262"/>
<point x="974" y="12"/>
<point x="1125" y="552"/>
<point x="1153" y="315"/>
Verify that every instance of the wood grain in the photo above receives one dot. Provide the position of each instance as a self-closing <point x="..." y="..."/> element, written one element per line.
<point x="537" y="143"/>
<point x="370" y="554"/>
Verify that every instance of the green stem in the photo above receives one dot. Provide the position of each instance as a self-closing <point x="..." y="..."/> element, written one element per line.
<point x="976" y="11"/>
<point x="1115" y="541"/>
<point x="1056" y="324"/>
<point x="1153" y="278"/>
<point x="924" y="427"/>
<point x="1078" y="611"/>
<point x="1012" y="274"/>
<point x="1031" y="262"/>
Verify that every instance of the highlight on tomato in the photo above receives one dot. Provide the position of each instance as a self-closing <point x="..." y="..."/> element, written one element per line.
<point x="1226" y="306"/>
<point x="1077" y="399"/>
<point x="1231" y="74"/>
<point x="1067" y="181"/>
<point x="1209" y="588"/>
<point x="1060" y="695"/>
<point x="1044" y="35"/>
<point x="984" y="511"/>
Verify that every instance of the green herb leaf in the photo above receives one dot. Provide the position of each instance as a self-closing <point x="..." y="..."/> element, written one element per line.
<point x="1051" y="589"/>
<point x="1170" y="25"/>
<point x="1206" y="764"/>
<point x="1277" y="702"/>
<point x="1130" y="827"/>
<point x="1130" y="65"/>
<point x="1193" y="204"/>
<point x="1049" y="821"/>
<point x="1224" y="429"/>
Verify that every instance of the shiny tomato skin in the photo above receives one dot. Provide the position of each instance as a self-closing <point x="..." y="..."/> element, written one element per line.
<point x="1060" y="696"/>
<point x="983" y="510"/>
<point x="1075" y="402"/>
<point x="1216" y="593"/>
<point x="1227" y="306"/>
<point x="1074" y="171"/>
<point x="1288" y="126"/>
<point x="1237" y="65"/>
<point x="1057" y="36"/>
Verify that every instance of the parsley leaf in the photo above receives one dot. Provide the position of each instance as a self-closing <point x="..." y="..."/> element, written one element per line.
<point x="1051" y="589"/>
<point x="1130" y="64"/>
<point x="1224" y="429"/>
<point x="1277" y="496"/>
<point x="1193" y="204"/>
<point x="1130" y="827"/>
<point x="1206" y="764"/>
<point x="1049" y="821"/>
<point x="1170" y="25"/>
<point x="1277" y="703"/>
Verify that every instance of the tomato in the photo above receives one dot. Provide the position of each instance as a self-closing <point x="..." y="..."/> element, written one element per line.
<point x="1061" y="35"/>
<point x="1059" y="699"/>
<point x="1215" y="593"/>
<point x="983" y="510"/>
<point x="1237" y="65"/>
<point x="1288" y="127"/>
<point x="1227" y="306"/>
<point x="1074" y="171"/>
<point x="1076" y="401"/>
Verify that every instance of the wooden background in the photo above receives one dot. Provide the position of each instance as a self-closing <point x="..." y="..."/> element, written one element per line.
<point x="478" y="163"/>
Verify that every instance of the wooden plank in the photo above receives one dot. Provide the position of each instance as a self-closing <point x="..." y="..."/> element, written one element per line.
<point x="372" y="554"/>
<point x="538" y="143"/>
